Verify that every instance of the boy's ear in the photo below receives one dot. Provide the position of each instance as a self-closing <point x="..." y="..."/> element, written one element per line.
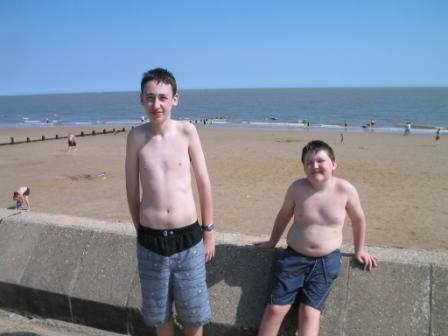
<point x="335" y="165"/>
<point x="141" y="99"/>
<point x="176" y="99"/>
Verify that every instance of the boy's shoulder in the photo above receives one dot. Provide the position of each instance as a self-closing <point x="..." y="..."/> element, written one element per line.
<point x="140" y="129"/>
<point x="185" y="128"/>
<point x="343" y="184"/>
<point x="184" y="125"/>
<point x="299" y="184"/>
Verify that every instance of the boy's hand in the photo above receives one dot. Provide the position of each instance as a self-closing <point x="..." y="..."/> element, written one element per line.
<point x="209" y="245"/>
<point x="265" y="244"/>
<point x="368" y="260"/>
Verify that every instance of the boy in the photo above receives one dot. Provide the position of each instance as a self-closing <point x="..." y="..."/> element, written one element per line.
<point x="312" y="260"/>
<point x="21" y="197"/>
<point x="170" y="249"/>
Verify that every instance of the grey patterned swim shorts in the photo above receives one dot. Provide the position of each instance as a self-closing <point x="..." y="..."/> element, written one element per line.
<point x="179" y="278"/>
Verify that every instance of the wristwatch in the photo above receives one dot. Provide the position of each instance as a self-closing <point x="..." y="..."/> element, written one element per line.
<point x="208" y="227"/>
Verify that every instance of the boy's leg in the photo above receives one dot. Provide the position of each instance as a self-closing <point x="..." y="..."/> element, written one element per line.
<point x="166" y="329"/>
<point x="272" y="319"/>
<point x="309" y="320"/>
<point x="190" y="289"/>
<point x="193" y="331"/>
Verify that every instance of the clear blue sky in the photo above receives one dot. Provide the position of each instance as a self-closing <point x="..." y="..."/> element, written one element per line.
<point x="50" y="46"/>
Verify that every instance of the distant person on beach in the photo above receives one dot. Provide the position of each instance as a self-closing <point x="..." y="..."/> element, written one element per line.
<point x="22" y="198"/>
<point x="438" y="136"/>
<point x="407" y="128"/>
<point x="71" y="142"/>
<point x="342" y="138"/>
<point x="172" y="247"/>
<point x="307" y="268"/>
<point x="372" y="123"/>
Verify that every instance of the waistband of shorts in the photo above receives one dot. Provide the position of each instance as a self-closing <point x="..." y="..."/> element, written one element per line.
<point x="171" y="232"/>
<point x="303" y="255"/>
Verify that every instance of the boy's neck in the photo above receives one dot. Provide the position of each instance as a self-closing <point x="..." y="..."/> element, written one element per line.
<point x="161" y="129"/>
<point x="324" y="185"/>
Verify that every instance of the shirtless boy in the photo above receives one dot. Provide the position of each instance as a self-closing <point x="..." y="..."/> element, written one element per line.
<point x="318" y="204"/>
<point x="171" y="244"/>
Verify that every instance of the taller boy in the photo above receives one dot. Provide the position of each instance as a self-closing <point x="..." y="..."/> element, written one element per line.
<point x="171" y="244"/>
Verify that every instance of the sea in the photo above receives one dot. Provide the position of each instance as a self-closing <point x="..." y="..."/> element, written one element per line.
<point x="326" y="109"/>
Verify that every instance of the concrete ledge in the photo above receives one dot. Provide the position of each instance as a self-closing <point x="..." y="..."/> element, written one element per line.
<point x="85" y="271"/>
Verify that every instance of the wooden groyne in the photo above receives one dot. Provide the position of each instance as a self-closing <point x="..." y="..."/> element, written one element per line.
<point x="13" y="141"/>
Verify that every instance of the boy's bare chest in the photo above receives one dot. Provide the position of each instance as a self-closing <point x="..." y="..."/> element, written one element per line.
<point x="328" y="208"/>
<point x="174" y="156"/>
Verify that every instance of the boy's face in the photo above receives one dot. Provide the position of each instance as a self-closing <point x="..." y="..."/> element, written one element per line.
<point x="158" y="100"/>
<point x="318" y="166"/>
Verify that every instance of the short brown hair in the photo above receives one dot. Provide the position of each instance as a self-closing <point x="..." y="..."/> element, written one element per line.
<point x="160" y="76"/>
<point x="315" y="146"/>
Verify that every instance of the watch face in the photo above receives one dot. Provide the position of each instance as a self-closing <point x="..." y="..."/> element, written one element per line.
<point x="208" y="227"/>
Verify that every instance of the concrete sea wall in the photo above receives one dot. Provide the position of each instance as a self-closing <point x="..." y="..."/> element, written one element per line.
<point x="84" y="271"/>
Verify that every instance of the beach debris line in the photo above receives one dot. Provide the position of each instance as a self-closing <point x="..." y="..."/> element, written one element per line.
<point x="13" y="141"/>
<point x="86" y="177"/>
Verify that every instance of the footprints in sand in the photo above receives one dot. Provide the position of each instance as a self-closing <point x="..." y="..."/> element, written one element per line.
<point x="84" y="177"/>
<point x="287" y="140"/>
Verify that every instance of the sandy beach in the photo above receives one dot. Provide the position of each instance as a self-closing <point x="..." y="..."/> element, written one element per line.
<point x="402" y="180"/>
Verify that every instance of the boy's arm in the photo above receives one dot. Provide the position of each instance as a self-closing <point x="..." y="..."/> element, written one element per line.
<point x="281" y="221"/>
<point x="27" y="202"/>
<point x="204" y="188"/>
<point x="358" y="219"/>
<point x="132" y="179"/>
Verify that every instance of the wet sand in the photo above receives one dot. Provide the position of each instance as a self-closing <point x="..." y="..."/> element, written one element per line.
<point x="402" y="180"/>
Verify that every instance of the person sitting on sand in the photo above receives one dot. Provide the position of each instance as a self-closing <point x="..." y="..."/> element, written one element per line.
<point x="21" y="197"/>
<point x="71" y="142"/>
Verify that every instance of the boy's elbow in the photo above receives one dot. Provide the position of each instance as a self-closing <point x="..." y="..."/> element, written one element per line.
<point x="358" y="222"/>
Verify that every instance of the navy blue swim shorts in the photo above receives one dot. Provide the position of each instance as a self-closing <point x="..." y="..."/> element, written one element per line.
<point x="307" y="280"/>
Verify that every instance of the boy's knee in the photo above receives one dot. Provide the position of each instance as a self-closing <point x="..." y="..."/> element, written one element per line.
<point x="309" y="313"/>
<point x="276" y="310"/>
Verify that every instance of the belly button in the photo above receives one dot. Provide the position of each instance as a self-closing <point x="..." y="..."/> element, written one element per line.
<point x="168" y="211"/>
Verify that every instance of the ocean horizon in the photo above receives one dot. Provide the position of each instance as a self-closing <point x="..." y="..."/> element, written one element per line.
<point x="389" y="108"/>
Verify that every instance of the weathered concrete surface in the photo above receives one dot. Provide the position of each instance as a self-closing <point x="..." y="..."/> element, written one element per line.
<point x="84" y="271"/>
<point x="395" y="301"/>
<point x="12" y="324"/>
<point x="439" y="301"/>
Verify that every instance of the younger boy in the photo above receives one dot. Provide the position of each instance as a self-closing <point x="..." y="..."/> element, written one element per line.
<point x="21" y="197"/>
<point x="171" y="243"/>
<point x="307" y="268"/>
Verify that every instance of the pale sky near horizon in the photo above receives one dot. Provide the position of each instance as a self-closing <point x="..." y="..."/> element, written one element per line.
<point x="51" y="46"/>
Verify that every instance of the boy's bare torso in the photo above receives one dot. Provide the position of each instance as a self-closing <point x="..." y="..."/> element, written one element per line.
<point x="164" y="166"/>
<point x="319" y="216"/>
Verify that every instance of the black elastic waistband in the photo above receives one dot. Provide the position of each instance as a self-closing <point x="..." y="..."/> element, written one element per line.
<point x="169" y="242"/>
<point x="167" y="232"/>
